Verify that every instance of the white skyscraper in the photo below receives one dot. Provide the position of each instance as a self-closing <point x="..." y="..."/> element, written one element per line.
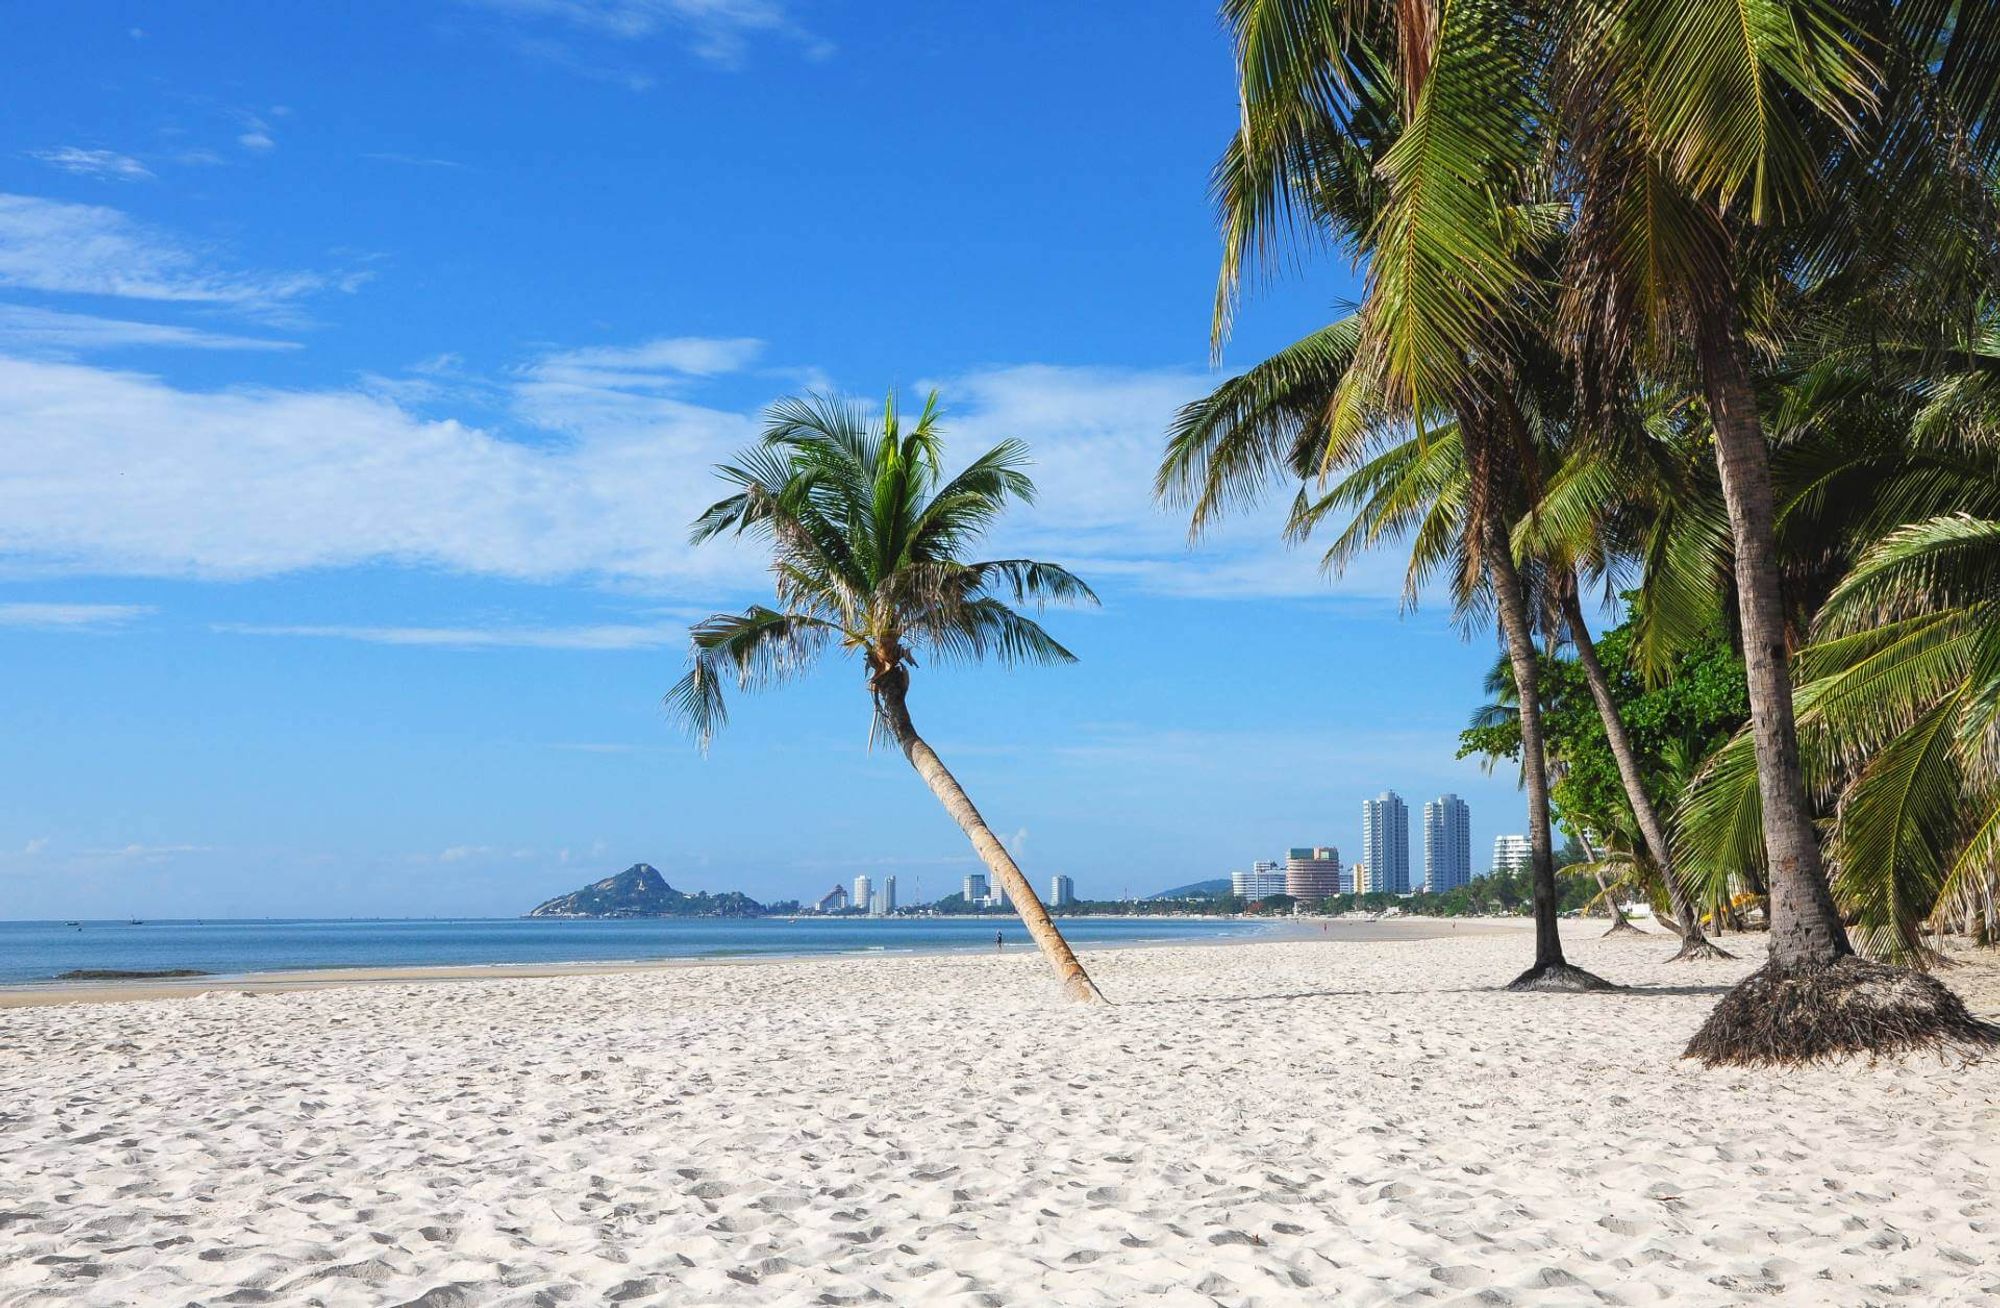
<point x="1264" y="878"/>
<point x="1062" y="891"/>
<point x="1447" y="844"/>
<point x="1511" y="853"/>
<point x="888" y="893"/>
<point x="862" y="885"/>
<point x="1385" y="843"/>
<point x="975" y="889"/>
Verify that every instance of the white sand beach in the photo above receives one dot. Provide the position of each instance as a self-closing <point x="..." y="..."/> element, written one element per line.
<point x="1267" y="1124"/>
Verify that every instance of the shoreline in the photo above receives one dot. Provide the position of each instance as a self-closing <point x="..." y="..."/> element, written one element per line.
<point x="43" y="994"/>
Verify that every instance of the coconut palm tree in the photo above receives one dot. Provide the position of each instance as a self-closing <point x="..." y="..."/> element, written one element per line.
<point x="1340" y="119"/>
<point x="1712" y="155"/>
<point x="868" y="542"/>
<point x="1726" y="155"/>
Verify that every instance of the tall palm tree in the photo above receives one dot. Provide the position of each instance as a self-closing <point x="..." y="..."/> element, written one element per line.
<point x="1342" y="134"/>
<point x="1723" y="153"/>
<point x="868" y="541"/>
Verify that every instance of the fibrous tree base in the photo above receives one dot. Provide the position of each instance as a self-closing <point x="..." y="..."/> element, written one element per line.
<point x="1623" y="926"/>
<point x="1559" y="977"/>
<point x="1699" y="949"/>
<point x="1782" y="1015"/>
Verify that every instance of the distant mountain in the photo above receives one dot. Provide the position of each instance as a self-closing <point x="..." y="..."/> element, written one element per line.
<point x="640" y="891"/>
<point x="1196" y="890"/>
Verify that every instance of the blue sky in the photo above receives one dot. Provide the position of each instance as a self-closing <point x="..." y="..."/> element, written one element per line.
<point x="361" y="367"/>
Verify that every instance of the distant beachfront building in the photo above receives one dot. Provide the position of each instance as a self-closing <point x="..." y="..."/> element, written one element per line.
<point x="998" y="899"/>
<point x="885" y="898"/>
<point x="1062" y="891"/>
<point x="1511" y="853"/>
<point x="1447" y="844"/>
<point x="1312" y="874"/>
<point x="975" y="890"/>
<point x="1385" y="843"/>
<point x="833" y="901"/>
<point x="863" y="885"/>
<point x="1263" y="879"/>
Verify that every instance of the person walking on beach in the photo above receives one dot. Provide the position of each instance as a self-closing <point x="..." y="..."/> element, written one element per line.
<point x="1000" y="940"/>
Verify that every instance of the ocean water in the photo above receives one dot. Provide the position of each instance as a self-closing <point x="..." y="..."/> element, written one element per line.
<point x="40" y="951"/>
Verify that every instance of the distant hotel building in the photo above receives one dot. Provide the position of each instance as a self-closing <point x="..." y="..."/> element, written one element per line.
<point x="1062" y="891"/>
<point x="1264" y="879"/>
<point x="1312" y="874"/>
<point x="883" y="898"/>
<point x="1511" y="853"/>
<point x="834" y="901"/>
<point x="1385" y="843"/>
<point x="1447" y="844"/>
<point x="975" y="889"/>
<point x="864" y="885"/>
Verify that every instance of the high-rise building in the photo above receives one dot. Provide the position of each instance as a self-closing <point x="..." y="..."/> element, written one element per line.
<point x="864" y="885"/>
<point x="1062" y="891"/>
<point x="1312" y="873"/>
<point x="1447" y="844"/>
<point x="998" y="899"/>
<point x="1263" y="879"/>
<point x="1511" y="853"/>
<point x="1385" y="843"/>
<point x="975" y="889"/>
<point x="888" y="894"/>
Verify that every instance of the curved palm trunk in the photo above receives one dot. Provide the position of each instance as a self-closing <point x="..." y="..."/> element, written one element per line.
<point x="1551" y="971"/>
<point x="1619" y="922"/>
<point x="892" y="690"/>
<point x="1694" y="944"/>
<point x="1814" y="999"/>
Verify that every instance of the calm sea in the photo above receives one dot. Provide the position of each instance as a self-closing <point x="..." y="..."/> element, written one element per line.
<point x="39" y="951"/>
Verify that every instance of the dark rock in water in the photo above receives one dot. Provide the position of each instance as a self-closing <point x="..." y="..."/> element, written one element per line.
<point x="119" y="974"/>
<point x="640" y="891"/>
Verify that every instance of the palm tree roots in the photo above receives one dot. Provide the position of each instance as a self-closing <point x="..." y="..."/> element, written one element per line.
<point x="1623" y="926"/>
<point x="1785" y="1015"/>
<point x="1559" y="977"/>
<point x="1699" y="949"/>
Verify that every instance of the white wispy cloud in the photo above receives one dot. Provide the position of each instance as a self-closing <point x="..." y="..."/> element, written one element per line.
<point x="718" y="31"/>
<point x="106" y="164"/>
<point x="87" y="249"/>
<point x="67" y="335"/>
<point x="144" y="853"/>
<point x="72" y="617"/>
<point x="410" y="160"/>
<point x="119" y="473"/>
<point x="608" y="636"/>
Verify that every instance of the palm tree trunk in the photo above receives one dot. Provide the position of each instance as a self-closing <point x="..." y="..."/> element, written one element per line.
<point x="1805" y="926"/>
<point x="1694" y="944"/>
<point x="891" y="691"/>
<point x="1814" y="999"/>
<point x="1551" y="971"/>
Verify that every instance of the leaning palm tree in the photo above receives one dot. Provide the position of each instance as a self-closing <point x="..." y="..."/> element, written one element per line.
<point x="868" y="542"/>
